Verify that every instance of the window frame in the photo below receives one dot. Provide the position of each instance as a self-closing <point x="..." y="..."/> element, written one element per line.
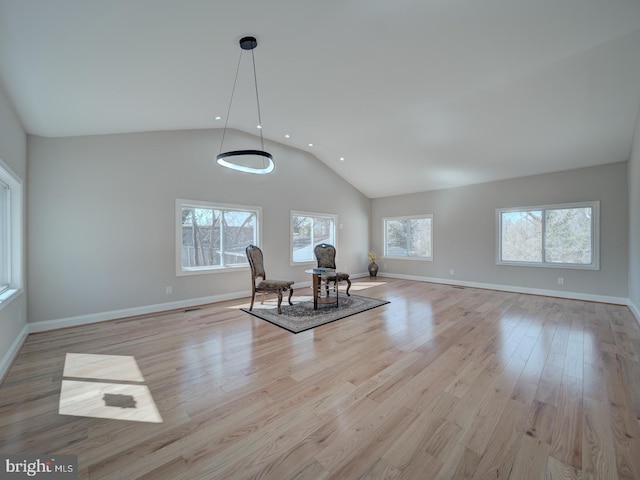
<point x="301" y="213"/>
<point x="5" y="237"/>
<point x="406" y="257"/>
<point x="595" y="235"/>
<point x="12" y="231"/>
<point x="208" y="269"/>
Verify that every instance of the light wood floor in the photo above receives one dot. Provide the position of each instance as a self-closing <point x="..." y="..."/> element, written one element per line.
<point x="441" y="383"/>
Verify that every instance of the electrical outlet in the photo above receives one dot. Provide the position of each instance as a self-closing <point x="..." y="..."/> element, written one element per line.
<point x="168" y="291"/>
<point x="560" y="281"/>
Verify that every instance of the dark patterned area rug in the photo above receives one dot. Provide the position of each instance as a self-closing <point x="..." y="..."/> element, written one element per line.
<point x="301" y="316"/>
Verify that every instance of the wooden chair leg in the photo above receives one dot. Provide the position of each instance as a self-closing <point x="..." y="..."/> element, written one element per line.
<point x="253" y="297"/>
<point x="279" y="302"/>
<point x="290" y="295"/>
<point x="348" y="287"/>
<point x="262" y="299"/>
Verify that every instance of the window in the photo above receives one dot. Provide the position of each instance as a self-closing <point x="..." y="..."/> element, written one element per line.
<point x="10" y="234"/>
<point x="213" y="237"/>
<point x="5" y="241"/>
<point x="409" y="237"/>
<point x="309" y="230"/>
<point x="550" y="236"/>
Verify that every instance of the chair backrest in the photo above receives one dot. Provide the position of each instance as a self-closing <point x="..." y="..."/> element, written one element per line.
<point x="325" y="255"/>
<point x="256" y="261"/>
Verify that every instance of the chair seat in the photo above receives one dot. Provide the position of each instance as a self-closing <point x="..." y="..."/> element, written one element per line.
<point x="275" y="284"/>
<point x="340" y="276"/>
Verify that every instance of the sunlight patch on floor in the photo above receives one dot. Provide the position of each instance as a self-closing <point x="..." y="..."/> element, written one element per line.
<point x="105" y="367"/>
<point x="272" y="302"/>
<point x="93" y="397"/>
<point x="357" y="286"/>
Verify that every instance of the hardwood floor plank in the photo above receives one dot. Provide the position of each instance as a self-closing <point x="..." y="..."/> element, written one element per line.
<point x="624" y="424"/>
<point x="359" y="456"/>
<point x="566" y="439"/>
<point x="476" y="436"/>
<point x="497" y="460"/>
<point x="381" y="471"/>
<point x="531" y="459"/>
<point x="442" y="383"/>
<point x="556" y="470"/>
<point x="461" y="464"/>
<point x="540" y="421"/>
<point x="599" y="458"/>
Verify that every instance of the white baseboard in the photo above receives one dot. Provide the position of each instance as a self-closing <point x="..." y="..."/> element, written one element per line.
<point x="12" y="353"/>
<point x="509" y="288"/>
<point x="46" y="325"/>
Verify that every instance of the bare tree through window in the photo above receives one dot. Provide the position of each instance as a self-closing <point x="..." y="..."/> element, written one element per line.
<point x="551" y="235"/>
<point x="216" y="237"/>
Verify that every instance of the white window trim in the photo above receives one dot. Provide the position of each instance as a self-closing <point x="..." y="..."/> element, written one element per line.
<point x="310" y="214"/>
<point x="406" y="257"/>
<point x="595" y="236"/>
<point x="180" y="203"/>
<point x="16" y="234"/>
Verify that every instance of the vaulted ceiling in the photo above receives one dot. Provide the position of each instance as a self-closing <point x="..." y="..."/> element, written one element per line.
<point x="415" y="95"/>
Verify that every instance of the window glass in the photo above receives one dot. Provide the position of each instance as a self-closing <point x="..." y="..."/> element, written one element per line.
<point x="568" y="236"/>
<point x="522" y="236"/>
<point x="409" y="237"/>
<point x="11" y="231"/>
<point x="214" y="237"/>
<point x="309" y="230"/>
<point x="553" y="235"/>
<point x="239" y="231"/>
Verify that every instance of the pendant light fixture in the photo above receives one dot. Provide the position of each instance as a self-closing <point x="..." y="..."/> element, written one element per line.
<point x="242" y="160"/>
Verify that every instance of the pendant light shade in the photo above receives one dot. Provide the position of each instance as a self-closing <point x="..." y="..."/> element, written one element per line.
<point x="246" y="160"/>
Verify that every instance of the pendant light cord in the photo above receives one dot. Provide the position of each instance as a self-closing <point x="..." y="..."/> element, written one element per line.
<point x="226" y="120"/>
<point x="255" y="81"/>
<point x="235" y="81"/>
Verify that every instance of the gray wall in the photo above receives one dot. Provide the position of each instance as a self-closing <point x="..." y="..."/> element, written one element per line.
<point x="13" y="152"/>
<point x="465" y="230"/>
<point x="634" y="223"/>
<point x="101" y="218"/>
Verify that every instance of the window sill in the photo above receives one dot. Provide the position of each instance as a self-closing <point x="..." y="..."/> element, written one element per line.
<point x="7" y="296"/>
<point x="418" y="259"/>
<point x="560" y="266"/>
<point x="206" y="271"/>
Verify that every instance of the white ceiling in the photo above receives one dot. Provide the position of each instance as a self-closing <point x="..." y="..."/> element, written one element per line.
<point x="415" y="94"/>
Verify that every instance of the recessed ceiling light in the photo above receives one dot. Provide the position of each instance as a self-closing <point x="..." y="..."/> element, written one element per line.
<point x="287" y="136"/>
<point x="258" y="126"/>
<point x="342" y="159"/>
<point x="218" y="117"/>
<point x="311" y="144"/>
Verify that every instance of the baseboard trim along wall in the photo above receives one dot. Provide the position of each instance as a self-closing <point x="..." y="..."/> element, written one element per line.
<point x="509" y="288"/>
<point x="55" y="324"/>
<point x="47" y="325"/>
<point x="12" y="353"/>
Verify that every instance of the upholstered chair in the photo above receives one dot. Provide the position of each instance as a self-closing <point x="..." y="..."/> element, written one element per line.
<point x="264" y="286"/>
<point x="326" y="257"/>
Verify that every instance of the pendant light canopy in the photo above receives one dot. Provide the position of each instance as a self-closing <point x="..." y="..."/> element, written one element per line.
<point x="245" y="160"/>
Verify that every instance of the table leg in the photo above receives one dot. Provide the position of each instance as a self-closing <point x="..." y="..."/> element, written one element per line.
<point x="316" y="287"/>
